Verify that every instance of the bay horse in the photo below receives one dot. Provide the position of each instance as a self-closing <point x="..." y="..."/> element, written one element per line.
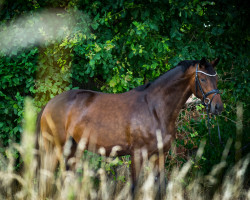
<point x="130" y="120"/>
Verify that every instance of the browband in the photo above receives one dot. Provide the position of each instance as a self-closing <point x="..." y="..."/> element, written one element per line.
<point x="208" y="74"/>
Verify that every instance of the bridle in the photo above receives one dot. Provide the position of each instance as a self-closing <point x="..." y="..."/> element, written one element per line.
<point x="205" y="100"/>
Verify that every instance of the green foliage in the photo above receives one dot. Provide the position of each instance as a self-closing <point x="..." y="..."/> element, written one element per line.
<point x="53" y="74"/>
<point x="116" y="46"/>
<point x="17" y="76"/>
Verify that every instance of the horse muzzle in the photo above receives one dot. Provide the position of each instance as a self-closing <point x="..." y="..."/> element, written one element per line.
<point x="216" y="108"/>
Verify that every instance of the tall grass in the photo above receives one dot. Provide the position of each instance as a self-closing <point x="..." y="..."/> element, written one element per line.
<point x="92" y="180"/>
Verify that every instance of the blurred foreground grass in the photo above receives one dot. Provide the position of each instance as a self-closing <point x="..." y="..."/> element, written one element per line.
<point x="108" y="178"/>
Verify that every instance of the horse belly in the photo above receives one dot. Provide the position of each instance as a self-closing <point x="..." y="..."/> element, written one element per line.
<point x="102" y="133"/>
<point x="106" y="122"/>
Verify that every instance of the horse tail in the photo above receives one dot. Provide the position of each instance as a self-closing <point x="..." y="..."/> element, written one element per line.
<point x="38" y="134"/>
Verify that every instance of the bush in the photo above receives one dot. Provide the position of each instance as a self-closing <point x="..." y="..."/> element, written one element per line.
<point x="114" y="47"/>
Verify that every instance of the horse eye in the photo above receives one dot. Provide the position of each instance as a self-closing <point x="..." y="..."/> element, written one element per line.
<point x="203" y="80"/>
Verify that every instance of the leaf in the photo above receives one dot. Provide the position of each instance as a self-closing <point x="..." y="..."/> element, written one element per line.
<point x="112" y="83"/>
<point x="95" y="25"/>
<point x="92" y="62"/>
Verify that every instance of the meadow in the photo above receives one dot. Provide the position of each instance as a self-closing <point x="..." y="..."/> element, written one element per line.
<point x="99" y="177"/>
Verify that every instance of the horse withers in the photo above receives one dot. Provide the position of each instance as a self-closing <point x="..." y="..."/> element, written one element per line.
<point x="129" y="120"/>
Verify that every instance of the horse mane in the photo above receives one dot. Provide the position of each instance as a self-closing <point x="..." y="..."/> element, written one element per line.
<point x="185" y="64"/>
<point x="142" y="87"/>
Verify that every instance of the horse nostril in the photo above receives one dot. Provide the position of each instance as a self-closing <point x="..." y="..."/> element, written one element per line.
<point x="218" y="107"/>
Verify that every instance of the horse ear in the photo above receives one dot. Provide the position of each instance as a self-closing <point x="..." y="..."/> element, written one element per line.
<point x="203" y="62"/>
<point x="215" y="62"/>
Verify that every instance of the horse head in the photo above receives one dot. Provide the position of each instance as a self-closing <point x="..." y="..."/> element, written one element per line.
<point x="204" y="85"/>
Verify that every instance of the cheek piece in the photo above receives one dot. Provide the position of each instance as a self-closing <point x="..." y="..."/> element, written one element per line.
<point x="205" y="100"/>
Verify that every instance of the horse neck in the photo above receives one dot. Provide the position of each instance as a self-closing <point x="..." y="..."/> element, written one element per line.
<point x="169" y="93"/>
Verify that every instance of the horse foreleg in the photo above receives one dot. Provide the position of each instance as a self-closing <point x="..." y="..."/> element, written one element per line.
<point x="136" y="164"/>
<point x="159" y="165"/>
<point x="133" y="174"/>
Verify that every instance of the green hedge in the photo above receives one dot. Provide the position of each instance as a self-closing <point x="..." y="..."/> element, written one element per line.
<point x="114" y="46"/>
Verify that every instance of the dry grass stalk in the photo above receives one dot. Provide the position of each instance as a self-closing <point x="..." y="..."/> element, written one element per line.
<point x="87" y="182"/>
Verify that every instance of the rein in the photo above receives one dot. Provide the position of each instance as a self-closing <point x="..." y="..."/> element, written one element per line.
<point x="205" y="100"/>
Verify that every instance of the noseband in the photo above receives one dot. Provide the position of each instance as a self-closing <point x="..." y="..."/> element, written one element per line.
<point x="205" y="100"/>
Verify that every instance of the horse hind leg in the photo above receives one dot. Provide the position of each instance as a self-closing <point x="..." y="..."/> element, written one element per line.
<point x="48" y="165"/>
<point x="69" y="151"/>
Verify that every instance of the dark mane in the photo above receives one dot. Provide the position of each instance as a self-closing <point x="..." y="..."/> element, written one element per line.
<point x="185" y="64"/>
<point x="142" y="87"/>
